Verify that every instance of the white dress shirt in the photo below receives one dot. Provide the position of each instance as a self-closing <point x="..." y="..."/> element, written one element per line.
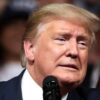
<point x="31" y="90"/>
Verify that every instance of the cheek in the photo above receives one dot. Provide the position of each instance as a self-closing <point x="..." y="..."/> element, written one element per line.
<point x="47" y="57"/>
<point x="49" y="51"/>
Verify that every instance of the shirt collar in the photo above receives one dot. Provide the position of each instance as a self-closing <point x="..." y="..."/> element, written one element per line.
<point x="30" y="89"/>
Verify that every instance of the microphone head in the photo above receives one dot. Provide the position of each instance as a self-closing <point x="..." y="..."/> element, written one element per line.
<point x="51" y="90"/>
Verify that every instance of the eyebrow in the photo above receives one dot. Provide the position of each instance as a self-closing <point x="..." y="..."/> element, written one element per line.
<point x="84" y="38"/>
<point x="67" y="34"/>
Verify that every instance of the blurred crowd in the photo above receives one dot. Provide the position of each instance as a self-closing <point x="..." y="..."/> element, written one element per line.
<point x="13" y="20"/>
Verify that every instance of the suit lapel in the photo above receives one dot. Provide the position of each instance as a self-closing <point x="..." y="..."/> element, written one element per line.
<point x="74" y="96"/>
<point x="18" y="88"/>
<point x="78" y="94"/>
<point x="13" y="90"/>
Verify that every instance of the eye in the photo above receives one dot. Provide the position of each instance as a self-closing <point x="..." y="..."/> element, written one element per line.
<point x="83" y="44"/>
<point x="60" y="39"/>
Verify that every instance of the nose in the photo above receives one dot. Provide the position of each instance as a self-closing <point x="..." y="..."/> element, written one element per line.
<point x="73" y="49"/>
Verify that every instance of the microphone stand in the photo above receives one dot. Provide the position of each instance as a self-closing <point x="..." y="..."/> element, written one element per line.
<point x="51" y="90"/>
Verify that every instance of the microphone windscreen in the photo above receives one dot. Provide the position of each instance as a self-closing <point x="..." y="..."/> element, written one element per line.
<point x="51" y="90"/>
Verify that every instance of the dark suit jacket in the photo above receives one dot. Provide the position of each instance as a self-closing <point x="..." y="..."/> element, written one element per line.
<point x="11" y="90"/>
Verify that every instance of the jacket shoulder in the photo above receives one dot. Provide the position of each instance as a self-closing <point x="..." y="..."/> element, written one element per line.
<point x="11" y="88"/>
<point x="82" y="93"/>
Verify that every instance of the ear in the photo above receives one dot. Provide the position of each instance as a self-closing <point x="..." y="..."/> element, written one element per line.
<point x="29" y="50"/>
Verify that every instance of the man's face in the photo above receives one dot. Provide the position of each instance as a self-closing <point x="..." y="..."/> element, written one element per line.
<point x="62" y="51"/>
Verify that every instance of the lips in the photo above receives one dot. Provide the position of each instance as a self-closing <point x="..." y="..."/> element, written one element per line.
<point x="71" y="66"/>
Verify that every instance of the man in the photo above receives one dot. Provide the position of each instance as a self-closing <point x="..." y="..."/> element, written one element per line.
<point x="57" y="42"/>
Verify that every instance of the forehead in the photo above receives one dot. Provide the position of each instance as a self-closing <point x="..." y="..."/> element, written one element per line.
<point x="62" y="26"/>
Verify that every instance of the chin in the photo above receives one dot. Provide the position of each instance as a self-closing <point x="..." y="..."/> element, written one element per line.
<point x="68" y="86"/>
<point x="71" y="80"/>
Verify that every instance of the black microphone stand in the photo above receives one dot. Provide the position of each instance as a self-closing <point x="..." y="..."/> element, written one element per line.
<point x="51" y="90"/>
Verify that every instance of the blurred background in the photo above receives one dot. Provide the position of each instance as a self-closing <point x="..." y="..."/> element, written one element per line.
<point x="13" y="19"/>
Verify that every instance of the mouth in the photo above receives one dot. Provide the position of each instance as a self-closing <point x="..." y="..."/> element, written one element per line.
<point x="70" y="66"/>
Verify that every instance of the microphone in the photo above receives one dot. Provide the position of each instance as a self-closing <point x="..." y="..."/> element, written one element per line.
<point x="51" y="90"/>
